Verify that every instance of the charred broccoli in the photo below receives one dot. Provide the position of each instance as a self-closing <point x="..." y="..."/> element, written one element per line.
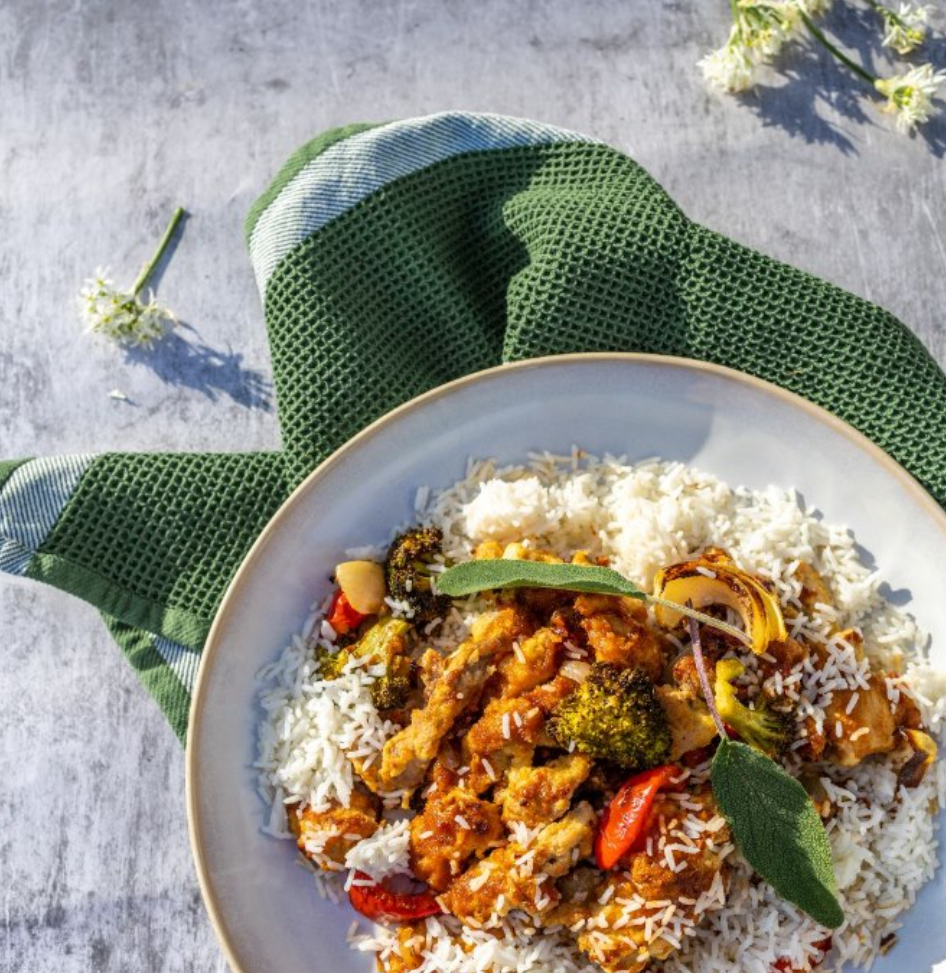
<point x="408" y="575"/>
<point x="763" y="728"/>
<point x="614" y="714"/>
<point x="384" y="643"/>
<point x="330" y="663"/>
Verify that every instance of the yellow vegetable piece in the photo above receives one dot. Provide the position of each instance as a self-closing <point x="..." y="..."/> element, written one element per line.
<point x="923" y="743"/>
<point x="362" y="583"/>
<point x="714" y="579"/>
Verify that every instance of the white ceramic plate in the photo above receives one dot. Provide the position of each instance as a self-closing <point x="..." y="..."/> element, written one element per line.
<point x="265" y="909"/>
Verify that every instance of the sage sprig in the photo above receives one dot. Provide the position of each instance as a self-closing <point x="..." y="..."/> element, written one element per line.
<point x="771" y="817"/>
<point x="498" y="574"/>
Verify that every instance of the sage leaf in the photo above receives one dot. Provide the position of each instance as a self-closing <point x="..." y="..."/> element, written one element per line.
<point x="494" y="574"/>
<point x="777" y="829"/>
<point x="469" y="577"/>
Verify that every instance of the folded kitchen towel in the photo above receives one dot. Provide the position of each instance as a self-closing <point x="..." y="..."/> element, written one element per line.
<point x="392" y="258"/>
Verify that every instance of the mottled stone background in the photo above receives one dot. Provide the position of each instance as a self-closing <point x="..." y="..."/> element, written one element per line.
<point x="112" y="112"/>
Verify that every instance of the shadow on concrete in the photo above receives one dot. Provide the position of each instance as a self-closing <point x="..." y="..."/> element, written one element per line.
<point x="184" y="360"/>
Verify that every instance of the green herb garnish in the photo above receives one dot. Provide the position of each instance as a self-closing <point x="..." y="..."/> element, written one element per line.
<point x="777" y="829"/>
<point x="775" y="825"/>
<point x="497" y="574"/>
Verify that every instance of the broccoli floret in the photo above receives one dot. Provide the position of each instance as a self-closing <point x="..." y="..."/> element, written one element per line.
<point x="763" y="728"/>
<point x="614" y="714"/>
<point x="408" y="575"/>
<point x="330" y="663"/>
<point x="385" y="642"/>
<point x="392" y="690"/>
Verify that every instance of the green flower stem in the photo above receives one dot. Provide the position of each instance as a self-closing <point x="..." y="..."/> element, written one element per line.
<point x="839" y="54"/>
<point x="885" y="12"/>
<point x="734" y="7"/>
<point x="148" y="268"/>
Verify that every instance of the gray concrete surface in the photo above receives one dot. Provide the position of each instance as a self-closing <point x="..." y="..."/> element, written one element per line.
<point x="111" y="112"/>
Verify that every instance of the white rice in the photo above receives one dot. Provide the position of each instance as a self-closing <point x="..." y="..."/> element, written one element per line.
<point x="312" y="729"/>
<point x="384" y="853"/>
<point x="643" y="517"/>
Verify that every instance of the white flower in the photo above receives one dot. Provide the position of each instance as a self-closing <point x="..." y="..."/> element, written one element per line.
<point x="911" y="95"/>
<point x="731" y="68"/>
<point x="121" y="315"/>
<point x="761" y="30"/>
<point x="905" y="28"/>
<point x="766" y="25"/>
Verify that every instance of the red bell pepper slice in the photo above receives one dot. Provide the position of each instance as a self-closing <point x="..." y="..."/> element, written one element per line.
<point x="624" y="818"/>
<point x="377" y="903"/>
<point x="341" y="616"/>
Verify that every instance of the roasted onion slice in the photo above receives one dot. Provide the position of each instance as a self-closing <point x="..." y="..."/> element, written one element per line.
<point x="714" y="579"/>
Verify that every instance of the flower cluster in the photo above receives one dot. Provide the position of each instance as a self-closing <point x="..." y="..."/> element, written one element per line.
<point x="762" y="28"/>
<point x="910" y="96"/>
<point x="905" y="29"/>
<point x="121" y="315"/>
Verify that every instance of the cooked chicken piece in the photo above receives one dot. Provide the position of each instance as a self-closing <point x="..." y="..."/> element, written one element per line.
<point x="814" y="590"/>
<point x="496" y="886"/>
<point x="616" y="935"/>
<point x="536" y="795"/>
<point x="407" y="754"/>
<point x="430" y="667"/>
<point x="508" y="731"/>
<point x="519" y="552"/>
<point x="515" y="720"/>
<point x="561" y="844"/>
<point x="684" y="670"/>
<point x="536" y="660"/>
<point x="408" y="952"/>
<point x="854" y="638"/>
<point x="487" y="771"/>
<point x="550" y="694"/>
<point x="908" y="713"/>
<point x="872" y="711"/>
<point x="452" y="828"/>
<point x="488" y="551"/>
<point x="325" y="837"/>
<point x="577" y="890"/>
<point x="815" y="741"/>
<point x="443" y="776"/>
<point x="686" y="676"/>
<point x="787" y="654"/>
<point x="617" y="630"/>
<point x="566" y="623"/>
<point x="513" y="877"/>
<point x="691" y="725"/>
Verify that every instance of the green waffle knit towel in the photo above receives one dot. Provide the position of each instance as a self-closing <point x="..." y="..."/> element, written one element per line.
<point x="393" y="258"/>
